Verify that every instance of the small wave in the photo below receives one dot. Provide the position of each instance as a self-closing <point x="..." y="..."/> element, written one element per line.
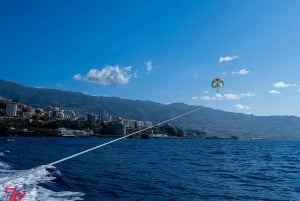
<point x="4" y="153"/>
<point x="30" y="184"/>
<point x="4" y="165"/>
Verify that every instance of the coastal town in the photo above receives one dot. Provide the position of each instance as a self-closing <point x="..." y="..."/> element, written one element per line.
<point x="18" y="119"/>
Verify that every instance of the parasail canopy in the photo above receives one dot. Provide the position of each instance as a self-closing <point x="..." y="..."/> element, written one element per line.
<point x="217" y="83"/>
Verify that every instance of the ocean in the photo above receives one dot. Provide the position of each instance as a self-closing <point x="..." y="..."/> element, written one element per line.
<point x="151" y="169"/>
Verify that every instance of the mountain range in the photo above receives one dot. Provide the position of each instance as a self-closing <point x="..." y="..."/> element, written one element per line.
<point x="213" y="122"/>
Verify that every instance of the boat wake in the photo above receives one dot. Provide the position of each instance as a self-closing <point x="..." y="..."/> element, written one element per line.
<point x="33" y="185"/>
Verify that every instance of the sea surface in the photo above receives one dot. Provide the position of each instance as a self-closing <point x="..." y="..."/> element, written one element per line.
<point x="152" y="169"/>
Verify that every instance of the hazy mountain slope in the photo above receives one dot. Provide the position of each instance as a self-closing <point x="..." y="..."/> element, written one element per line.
<point x="214" y="122"/>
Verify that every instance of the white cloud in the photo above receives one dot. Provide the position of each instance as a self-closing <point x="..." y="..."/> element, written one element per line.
<point x="109" y="75"/>
<point x="241" y="72"/>
<point x="283" y="85"/>
<point x="195" y="98"/>
<point x="298" y="90"/>
<point x="249" y="94"/>
<point x="227" y="58"/>
<point x="219" y="96"/>
<point x="77" y="77"/>
<point x="241" y="107"/>
<point x="149" y="65"/>
<point x="274" y="92"/>
<point x="231" y="96"/>
<point x="228" y="96"/>
<point x="207" y="98"/>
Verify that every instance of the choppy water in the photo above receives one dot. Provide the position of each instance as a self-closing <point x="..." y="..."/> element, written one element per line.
<point x="137" y="169"/>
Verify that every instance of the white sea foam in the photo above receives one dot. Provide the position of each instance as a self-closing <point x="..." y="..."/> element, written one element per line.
<point x="29" y="184"/>
<point x="4" y="153"/>
<point x="4" y="165"/>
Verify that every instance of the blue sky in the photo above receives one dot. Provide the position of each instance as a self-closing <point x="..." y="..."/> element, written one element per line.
<point x="162" y="51"/>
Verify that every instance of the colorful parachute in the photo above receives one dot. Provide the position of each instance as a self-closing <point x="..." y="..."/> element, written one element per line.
<point x="217" y="83"/>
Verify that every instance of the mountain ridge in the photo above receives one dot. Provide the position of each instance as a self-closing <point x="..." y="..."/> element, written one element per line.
<point x="212" y="121"/>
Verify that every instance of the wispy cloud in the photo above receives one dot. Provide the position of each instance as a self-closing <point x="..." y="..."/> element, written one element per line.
<point x="283" y="85"/>
<point x="228" y="96"/>
<point x="109" y="75"/>
<point x="241" y="107"/>
<point x="227" y="58"/>
<point x="231" y="96"/>
<point x="149" y="66"/>
<point x="241" y="72"/>
<point x="208" y="98"/>
<point x="274" y="92"/>
<point x="195" y="74"/>
<point x="225" y="73"/>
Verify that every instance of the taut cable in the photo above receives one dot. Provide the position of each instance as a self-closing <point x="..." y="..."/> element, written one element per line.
<point x="32" y="170"/>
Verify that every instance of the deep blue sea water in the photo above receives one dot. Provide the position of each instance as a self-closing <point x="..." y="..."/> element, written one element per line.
<point x="153" y="169"/>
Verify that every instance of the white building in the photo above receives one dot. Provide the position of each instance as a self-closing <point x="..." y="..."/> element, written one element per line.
<point x="28" y="114"/>
<point x="60" y="115"/>
<point x="11" y="109"/>
<point x="143" y="124"/>
<point x="74" y="133"/>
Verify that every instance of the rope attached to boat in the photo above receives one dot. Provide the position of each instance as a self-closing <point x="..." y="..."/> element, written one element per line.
<point x="35" y="169"/>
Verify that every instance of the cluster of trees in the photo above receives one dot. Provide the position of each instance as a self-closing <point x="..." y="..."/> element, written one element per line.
<point x="101" y="128"/>
<point x="6" y="125"/>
